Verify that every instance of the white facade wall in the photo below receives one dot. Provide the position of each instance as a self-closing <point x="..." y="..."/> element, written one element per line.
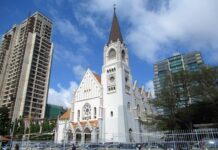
<point x="63" y="126"/>
<point x="116" y="101"/>
<point x="89" y="92"/>
<point x="95" y="103"/>
<point x="121" y="107"/>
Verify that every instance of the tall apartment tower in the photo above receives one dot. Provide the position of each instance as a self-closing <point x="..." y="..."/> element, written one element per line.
<point x="190" y="62"/>
<point x="25" y="63"/>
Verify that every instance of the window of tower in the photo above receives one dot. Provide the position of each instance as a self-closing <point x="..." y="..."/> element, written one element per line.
<point x="123" y="55"/>
<point x="78" y="114"/>
<point x="138" y="110"/>
<point x="130" y="135"/>
<point x="112" y="113"/>
<point x="126" y="79"/>
<point x="95" y="112"/>
<point x="128" y="106"/>
<point x="112" y="54"/>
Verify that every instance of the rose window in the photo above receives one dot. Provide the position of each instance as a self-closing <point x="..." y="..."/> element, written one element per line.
<point x="86" y="111"/>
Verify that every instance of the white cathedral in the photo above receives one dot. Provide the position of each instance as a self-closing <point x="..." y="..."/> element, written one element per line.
<point x="110" y="107"/>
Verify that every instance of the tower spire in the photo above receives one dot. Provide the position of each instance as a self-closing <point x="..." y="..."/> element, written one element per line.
<point x="115" y="33"/>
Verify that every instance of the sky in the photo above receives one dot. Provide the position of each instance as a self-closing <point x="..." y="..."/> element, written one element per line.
<point x="152" y="30"/>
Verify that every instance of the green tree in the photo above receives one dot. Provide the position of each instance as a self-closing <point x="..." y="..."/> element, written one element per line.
<point x="19" y="127"/>
<point x="205" y="86"/>
<point x="167" y="102"/>
<point x="46" y="126"/>
<point x="34" y="127"/>
<point x="5" y="122"/>
<point x="188" y="98"/>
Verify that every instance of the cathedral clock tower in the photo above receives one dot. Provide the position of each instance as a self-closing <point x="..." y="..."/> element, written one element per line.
<point x="118" y="122"/>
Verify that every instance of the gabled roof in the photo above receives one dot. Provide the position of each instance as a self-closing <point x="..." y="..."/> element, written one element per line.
<point x="115" y="30"/>
<point x="66" y="115"/>
<point x="97" y="77"/>
<point x="89" y="73"/>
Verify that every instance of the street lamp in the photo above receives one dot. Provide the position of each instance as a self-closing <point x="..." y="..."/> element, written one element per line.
<point x="12" y="131"/>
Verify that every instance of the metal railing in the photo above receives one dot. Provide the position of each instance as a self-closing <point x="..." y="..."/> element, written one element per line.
<point x="176" y="140"/>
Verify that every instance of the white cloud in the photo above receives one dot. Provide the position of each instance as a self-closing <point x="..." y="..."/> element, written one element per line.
<point x="79" y="71"/>
<point x="67" y="29"/>
<point x="149" y="86"/>
<point x="90" y="23"/>
<point x="62" y="96"/>
<point x="68" y="55"/>
<point x="153" y="34"/>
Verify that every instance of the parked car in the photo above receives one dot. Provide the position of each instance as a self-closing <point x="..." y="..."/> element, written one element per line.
<point x="92" y="146"/>
<point x="154" y="146"/>
<point x="111" y="145"/>
<point x="170" y="146"/>
<point x="196" y="146"/>
<point x="210" y="144"/>
<point x="6" y="145"/>
<point x="126" y="146"/>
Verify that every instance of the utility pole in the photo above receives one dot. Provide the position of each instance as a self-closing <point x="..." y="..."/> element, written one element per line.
<point x="12" y="131"/>
<point x="12" y="134"/>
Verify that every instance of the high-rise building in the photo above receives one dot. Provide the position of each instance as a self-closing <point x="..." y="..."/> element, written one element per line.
<point x="178" y="62"/>
<point x="25" y="63"/>
<point x="53" y="111"/>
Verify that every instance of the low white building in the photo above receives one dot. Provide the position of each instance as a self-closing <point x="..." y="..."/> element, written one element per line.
<point x="110" y="107"/>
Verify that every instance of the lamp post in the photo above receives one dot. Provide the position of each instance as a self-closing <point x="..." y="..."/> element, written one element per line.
<point x="12" y="131"/>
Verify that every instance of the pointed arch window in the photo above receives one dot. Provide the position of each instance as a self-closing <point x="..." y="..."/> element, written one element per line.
<point x="130" y="135"/>
<point x="112" y="113"/>
<point x="123" y="55"/>
<point x="112" y="54"/>
<point x="128" y="106"/>
<point x="78" y="114"/>
<point x="138" y="110"/>
<point x="95" y="112"/>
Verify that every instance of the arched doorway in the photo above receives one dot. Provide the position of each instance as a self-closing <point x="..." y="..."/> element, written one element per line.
<point x="78" y="136"/>
<point x="87" y="133"/>
<point x="70" y="136"/>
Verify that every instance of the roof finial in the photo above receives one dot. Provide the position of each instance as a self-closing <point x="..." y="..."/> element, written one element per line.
<point x="114" y="8"/>
<point x="88" y="66"/>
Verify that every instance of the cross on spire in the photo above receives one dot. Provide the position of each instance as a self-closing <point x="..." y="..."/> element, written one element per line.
<point x="114" y="8"/>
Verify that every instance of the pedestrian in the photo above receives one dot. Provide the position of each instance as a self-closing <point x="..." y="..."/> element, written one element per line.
<point x="139" y="146"/>
<point x="74" y="147"/>
<point x="16" y="147"/>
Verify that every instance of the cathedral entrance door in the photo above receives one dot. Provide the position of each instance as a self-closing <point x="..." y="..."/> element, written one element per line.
<point x="78" y="136"/>
<point x="87" y="133"/>
<point x="70" y="136"/>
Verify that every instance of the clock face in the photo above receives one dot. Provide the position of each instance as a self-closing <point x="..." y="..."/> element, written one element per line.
<point x="112" y="78"/>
